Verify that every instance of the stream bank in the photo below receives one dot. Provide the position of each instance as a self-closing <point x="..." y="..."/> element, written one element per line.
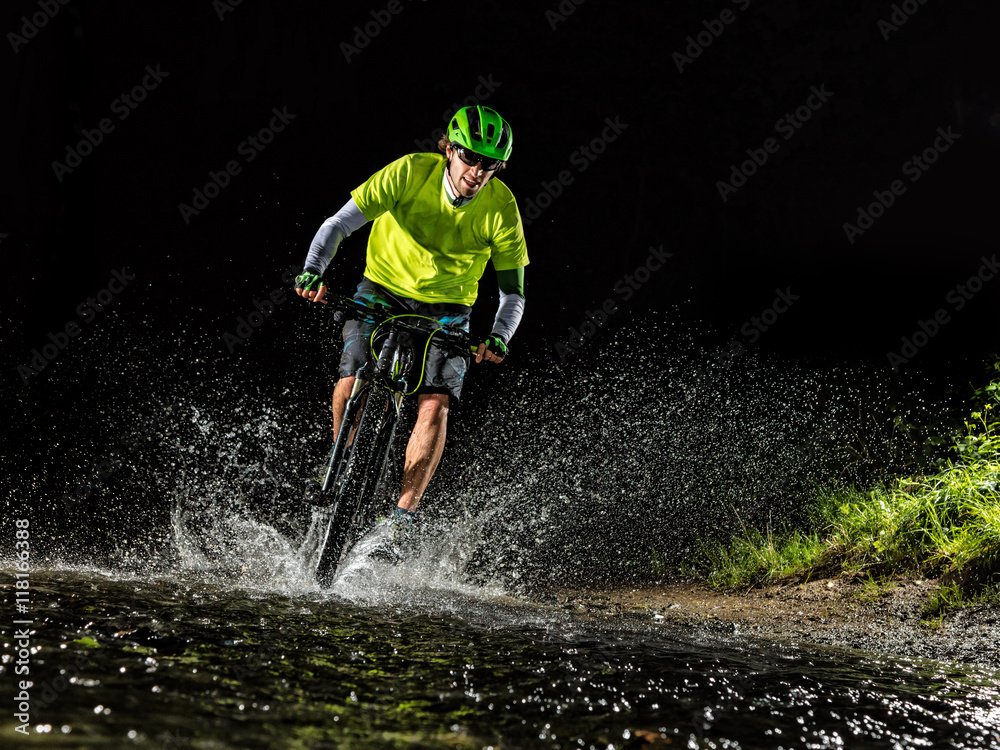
<point x="845" y="611"/>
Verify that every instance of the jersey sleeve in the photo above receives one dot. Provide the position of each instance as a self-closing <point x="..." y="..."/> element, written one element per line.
<point x="509" y="250"/>
<point x="382" y="190"/>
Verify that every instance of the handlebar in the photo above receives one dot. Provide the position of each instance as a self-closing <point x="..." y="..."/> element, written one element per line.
<point x="451" y="338"/>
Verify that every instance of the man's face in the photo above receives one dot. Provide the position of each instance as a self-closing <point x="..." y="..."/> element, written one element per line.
<point x="467" y="180"/>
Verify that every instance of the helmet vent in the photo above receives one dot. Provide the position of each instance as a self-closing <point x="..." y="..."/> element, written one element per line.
<point x="490" y="130"/>
<point x="474" y="124"/>
<point x="504" y="136"/>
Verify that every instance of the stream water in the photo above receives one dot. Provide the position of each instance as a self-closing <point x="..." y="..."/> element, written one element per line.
<point x="170" y="604"/>
<point x="408" y="657"/>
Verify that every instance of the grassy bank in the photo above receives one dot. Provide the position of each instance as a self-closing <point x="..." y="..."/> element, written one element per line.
<point x="944" y="525"/>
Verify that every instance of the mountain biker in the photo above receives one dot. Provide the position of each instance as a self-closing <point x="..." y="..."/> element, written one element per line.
<point x="438" y="219"/>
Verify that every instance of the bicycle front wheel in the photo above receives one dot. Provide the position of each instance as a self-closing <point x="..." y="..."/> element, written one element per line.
<point x="358" y="479"/>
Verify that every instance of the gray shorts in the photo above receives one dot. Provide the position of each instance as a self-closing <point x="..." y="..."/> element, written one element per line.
<point x="445" y="372"/>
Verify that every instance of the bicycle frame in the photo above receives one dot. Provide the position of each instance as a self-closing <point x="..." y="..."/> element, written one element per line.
<point x="357" y="464"/>
<point x="363" y="383"/>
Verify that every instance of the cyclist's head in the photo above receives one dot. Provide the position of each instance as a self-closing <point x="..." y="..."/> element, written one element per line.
<point x="482" y="130"/>
<point x="482" y="140"/>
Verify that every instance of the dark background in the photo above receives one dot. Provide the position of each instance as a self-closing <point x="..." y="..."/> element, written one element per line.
<point x="558" y="77"/>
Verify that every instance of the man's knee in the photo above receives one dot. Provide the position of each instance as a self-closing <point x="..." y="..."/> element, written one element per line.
<point x="344" y="384"/>
<point x="432" y="406"/>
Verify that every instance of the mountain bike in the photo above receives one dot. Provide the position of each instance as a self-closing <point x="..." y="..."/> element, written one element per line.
<point x="357" y="468"/>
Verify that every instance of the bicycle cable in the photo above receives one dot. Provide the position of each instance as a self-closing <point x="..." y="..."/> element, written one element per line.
<point x="427" y="346"/>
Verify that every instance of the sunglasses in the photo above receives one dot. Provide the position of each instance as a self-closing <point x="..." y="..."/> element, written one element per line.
<point x="472" y="158"/>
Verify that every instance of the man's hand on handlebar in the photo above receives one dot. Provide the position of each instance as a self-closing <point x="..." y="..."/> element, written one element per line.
<point x="310" y="285"/>
<point x="494" y="349"/>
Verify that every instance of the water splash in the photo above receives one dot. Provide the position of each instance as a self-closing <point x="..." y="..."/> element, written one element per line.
<point x="612" y="467"/>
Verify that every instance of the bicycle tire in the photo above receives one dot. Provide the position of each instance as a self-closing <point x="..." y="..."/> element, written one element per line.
<point x="372" y="479"/>
<point x="377" y="487"/>
<point x="340" y="452"/>
<point x="357" y="479"/>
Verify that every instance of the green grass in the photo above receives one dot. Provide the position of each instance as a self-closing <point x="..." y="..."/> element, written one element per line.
<point x="945" y="525"/>
<point x="953" y="596"/>
<point x="756" y="557"/>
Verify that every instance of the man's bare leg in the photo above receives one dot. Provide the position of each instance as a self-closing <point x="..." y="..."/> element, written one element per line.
<point x="424" y="450"/>
<point x="341" y="392"/>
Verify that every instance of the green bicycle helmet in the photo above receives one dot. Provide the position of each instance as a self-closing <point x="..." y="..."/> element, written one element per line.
<point x="482" y="130"/>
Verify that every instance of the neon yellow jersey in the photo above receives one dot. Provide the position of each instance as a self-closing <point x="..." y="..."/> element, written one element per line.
<point x="423" y="248"/>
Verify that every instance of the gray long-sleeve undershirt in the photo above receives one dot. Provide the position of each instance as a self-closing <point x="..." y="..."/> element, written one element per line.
<point x="349" y="219"/>
<point x="331" y="233"/>
<point x="508" y="315"/>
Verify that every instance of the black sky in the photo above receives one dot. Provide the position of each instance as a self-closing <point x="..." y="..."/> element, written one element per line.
<point x="559" y="73"/>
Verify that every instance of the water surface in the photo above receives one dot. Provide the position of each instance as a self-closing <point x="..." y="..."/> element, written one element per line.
<point x="191" y="659"/>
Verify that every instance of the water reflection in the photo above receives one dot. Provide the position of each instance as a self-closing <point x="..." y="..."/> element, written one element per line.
<point x="177" y="662"/>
